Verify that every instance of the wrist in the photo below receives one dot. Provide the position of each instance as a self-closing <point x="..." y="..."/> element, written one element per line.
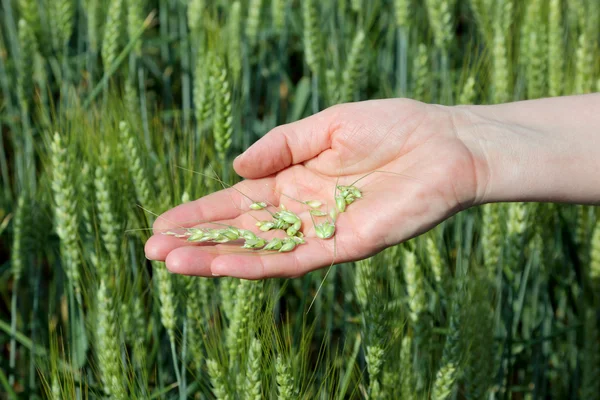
<point x="541" y="150"/>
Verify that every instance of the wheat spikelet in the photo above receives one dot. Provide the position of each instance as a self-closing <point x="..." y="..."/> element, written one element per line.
<point x="482" y="18"/>
<point x="92" y="10"/>
<point x="363" y="281"/>
<point x="30" y="13"/>
<point x="500" y="71"/>
<point x="333" y="89"/>
<point x="112" y="33"/>
<point x="108" y="344"/>
<point x="19" y="225"/>
<point x="202" y="101"/>
<point x="227" y="288"/>
<point x="516" y="225"/>
<point x="252" y="384"/>
<point x="217" y="380"/>
<point x="245" y="295"/>
<point x="467" y="94"/>
<point x="555" y="49"/>
<point x="223" y="120"/>
<point x="285" y="381"/>
<point x="407" y="384"/>
<point x="136" y="168"/>
<point x="253" y="21"/>
<point x="66" y="217"/>
<point x="108" y="221"/>
<point x="135" y="20"/>
<point x="530" y="21"/>
<point x="440" y="20"/>
<point x="374" y="358"/>
<point x="312" y="50"/>
<point x="138" y="328"/>
<point x="352" y="74"/>
<point x="86" y="181"/>
<point x="61" y="14"/>
<point x="421" y="72"/>
<point x="536" y="66"/>
<point x="435" y="261"/>
<point x="278" y="13"/>
<point x="533" y="52"/>
<point x="193" y="312"/>
<point x="413" y="276"/>
<point x="446" y="376"/>
<point x="166" y="296"/>
<point x="491" y="240"/>
<point x="584" y="62"/>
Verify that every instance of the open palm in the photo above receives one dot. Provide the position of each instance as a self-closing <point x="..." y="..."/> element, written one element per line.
<point x="419" y="173"/>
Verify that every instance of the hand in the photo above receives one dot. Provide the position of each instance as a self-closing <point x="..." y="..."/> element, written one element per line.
<point x="430" y="175"/>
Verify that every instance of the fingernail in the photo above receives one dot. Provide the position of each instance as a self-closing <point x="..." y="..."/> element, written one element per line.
<point x="213" y="274"/>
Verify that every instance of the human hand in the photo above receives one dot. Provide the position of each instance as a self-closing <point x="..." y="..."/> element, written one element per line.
<point x="430" y="175"/>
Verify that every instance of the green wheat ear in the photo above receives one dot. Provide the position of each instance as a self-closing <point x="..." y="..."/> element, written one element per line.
<point x="421" y="72"/>
<point x="285" y="381"/>
<point x="312" y="50"/>
<point x="555" y="49"/>
<point x="135" y="19"/>
<point x="491" y="238"/>
<point x="223" y="119"/>
<point x="108" y="340"/>
<point x="253" y="371"/>
<point x="112" y="33"/>
<point x="278" y="13"/>
<point x="440" y="20"/>
<point x="500" y="72"/>
<point x="352" y="75"/>
<point x="253" y="21"/>
<point x="136" y="168"/>
<point x="217" y="380"/>
<point x="104" y="201"/>
<point x="468" y="94"/>
<point x="66" y="215"/>
<point x="61" y="13"/>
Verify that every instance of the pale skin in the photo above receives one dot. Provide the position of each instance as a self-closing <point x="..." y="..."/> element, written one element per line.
<point x="440" y="160"/>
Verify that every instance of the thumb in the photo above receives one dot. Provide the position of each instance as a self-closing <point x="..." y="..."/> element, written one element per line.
<point x="286" y="145"/>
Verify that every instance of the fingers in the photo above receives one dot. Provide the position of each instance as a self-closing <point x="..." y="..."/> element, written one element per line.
<point x="229" y="260"/>
<point x="203" y="261"/>
<point x="222" y="205"/>
<point x="159" y="246"/>
<point x="287" y="145"/>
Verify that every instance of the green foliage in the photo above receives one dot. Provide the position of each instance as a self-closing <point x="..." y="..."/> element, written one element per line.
<point x="87" y="164"/>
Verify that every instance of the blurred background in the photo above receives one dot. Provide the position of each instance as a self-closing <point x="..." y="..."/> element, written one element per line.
<point x="107" y="110"/>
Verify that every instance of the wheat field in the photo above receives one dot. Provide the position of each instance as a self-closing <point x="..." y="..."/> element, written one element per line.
<point x="112" y="112"/>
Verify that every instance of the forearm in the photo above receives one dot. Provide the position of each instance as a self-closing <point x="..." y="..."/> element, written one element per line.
<point x="539" y="150"/>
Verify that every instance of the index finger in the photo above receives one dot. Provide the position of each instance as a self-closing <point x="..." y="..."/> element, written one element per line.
<point x="225" y="204"/>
